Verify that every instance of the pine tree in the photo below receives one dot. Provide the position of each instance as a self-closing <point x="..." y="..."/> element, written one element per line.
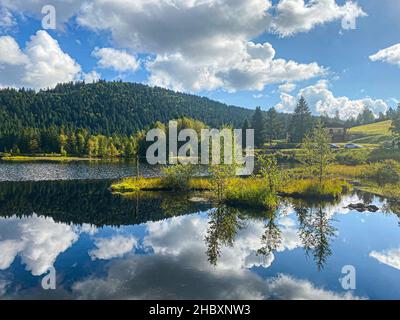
<point x="245" y="127"/>
<point x="273" y="125"/>
<point x="366" y="117"/>
<point x="301" y="122"/>
<point x="258" y="124"/>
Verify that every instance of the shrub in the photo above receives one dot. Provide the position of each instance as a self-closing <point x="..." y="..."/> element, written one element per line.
<point x="385" y="172"/>
<point x="220" y="177"/>
<point x="352" y="157"/>
<point x="178" y="177"/>
<point x="251" y="193"/>
<point x="384" y="154"/>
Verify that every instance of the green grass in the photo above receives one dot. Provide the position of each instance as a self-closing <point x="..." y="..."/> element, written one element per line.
<point x="378" y="128"/>
<point x="373" y="141"/>
<point x="387" y="191"/>
<point x="372" y="135"/>
<point x="347" y="172"/>
<point x="130" y="185"/>
<point x="310" y="188"/>
<point x="250" y="192"/>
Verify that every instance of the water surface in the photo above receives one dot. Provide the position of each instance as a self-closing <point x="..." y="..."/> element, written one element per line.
<point x="164" y="246"/>
<point x="74" y="170"/>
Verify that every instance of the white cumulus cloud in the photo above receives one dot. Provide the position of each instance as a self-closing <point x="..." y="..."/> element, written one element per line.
<point x="41" y="64"/>
<point x="321" y="100"/>
<point x="198" y="45"/>
<point x="390" y="55"/>
<point x="92" y="76"/>
<point x="6" y="18"/>
<point x="287" y="87"/>
<point x="176" y="264"/>
<point x="38" y="241"/>
<point x="118" y="60"/>
<point x="294" y="16"/>
<point x="108" y="248"/>
<point x="389" y="257"/>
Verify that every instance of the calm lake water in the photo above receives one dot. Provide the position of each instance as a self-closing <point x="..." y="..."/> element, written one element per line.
<point x="76" y="170"/>
<point x="164" y="246"/>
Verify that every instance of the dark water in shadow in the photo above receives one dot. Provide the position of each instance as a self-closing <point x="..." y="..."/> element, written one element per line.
<point x="164" y="246"/>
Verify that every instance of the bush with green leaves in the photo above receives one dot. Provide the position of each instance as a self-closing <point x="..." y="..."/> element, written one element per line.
<point x="385" y="172"/>
<point x="177" y="177"/>
<point x="220" y="175"/>
<point x="271" y="172"/>
<point x="317" y="152"/>
<point x="352" y="157"/>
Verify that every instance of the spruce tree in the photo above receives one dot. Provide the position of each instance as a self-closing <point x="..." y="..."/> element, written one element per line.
<point x="245" y="126"/>
<point x="258" y="125"/>
<point x="301" y="122"/>
<point x="366" y="117"/>
<point x="273" y="125"/>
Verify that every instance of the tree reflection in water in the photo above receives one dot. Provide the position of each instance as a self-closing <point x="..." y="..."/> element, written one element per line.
<point x="316" y="233"/>
<point x="91" y="202"/>
<point x="392" y="206"/>
<point x="223" y="227"/>
<point x="271" y="240"/>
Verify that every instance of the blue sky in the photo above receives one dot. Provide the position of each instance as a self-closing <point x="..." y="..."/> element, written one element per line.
<point x="245" y="53"/>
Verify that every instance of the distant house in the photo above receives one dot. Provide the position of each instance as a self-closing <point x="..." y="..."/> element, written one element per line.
<point x="338" y="134"/>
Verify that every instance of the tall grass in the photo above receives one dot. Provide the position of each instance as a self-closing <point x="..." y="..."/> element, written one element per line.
<point x="133" y="185"/>
<point x="344" y="171"/>
<point x="250" y="193"/>
<point x="311" y="188"/>
<point x="128" y="185"/>
<point x="387" y="191"/>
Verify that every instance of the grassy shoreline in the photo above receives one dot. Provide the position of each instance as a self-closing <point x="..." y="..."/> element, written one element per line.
<point x="250" y="192"/>
<point x="254" y="191"/>
<point x="389" y="191"/>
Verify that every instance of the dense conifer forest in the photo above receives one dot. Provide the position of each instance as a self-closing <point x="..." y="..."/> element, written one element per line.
<point x="109" y="119"/>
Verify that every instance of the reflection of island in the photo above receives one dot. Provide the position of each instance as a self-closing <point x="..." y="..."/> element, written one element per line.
<point x="316" y="233"/>
<point x="90" y="202"/>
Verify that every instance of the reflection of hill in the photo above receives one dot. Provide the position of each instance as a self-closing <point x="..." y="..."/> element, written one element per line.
<point x="89" y="202"/>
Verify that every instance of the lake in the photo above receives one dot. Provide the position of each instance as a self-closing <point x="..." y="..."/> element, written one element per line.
<point x="168" y="246"/>
<point x="75" y="170"/>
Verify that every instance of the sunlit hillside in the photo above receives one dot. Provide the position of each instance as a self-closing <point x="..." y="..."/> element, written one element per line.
<point x="378" y="128"/>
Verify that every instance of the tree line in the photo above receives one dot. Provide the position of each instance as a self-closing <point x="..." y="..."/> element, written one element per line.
<point x="69" y="143"/>
<point x="107" y="119"/>
<point x="271" y="125"/>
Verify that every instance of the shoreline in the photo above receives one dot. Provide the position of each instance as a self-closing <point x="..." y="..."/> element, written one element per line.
<point x="21" y="159"/>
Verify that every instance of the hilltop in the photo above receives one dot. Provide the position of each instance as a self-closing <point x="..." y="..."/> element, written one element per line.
<point x="109" y="108"/>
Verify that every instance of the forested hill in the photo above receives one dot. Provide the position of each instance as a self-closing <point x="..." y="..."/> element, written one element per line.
<point x="108" y="108"/>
